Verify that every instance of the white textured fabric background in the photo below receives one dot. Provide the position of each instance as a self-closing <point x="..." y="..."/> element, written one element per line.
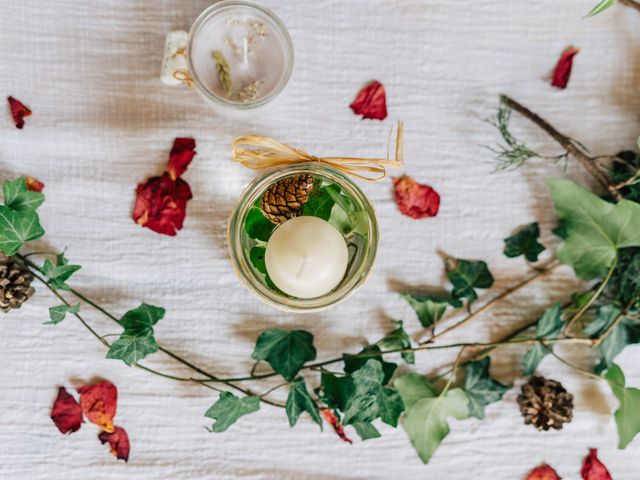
<point x="103" y="122"/>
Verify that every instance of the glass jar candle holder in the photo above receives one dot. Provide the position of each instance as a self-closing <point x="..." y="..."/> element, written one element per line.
<point x="237" y="54"/>
<point x="336" y="200"/>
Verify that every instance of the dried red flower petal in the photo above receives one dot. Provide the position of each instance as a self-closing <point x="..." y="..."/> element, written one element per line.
<point x="66" y="412"/>
<point x="543" y="472"/>
<point x="118" y="441"/>
<point x="593" y="468"/>
<point x="562" y="72"/>
<point x="332" y="420"/>
<point x="180" y="157"/>
<point x="33" y="184"/>
<point x="371" y="102"/>
<point x="414" y="199"/>
<point x="18" y="111"/>
<point x="161" y="204"/>
<point x="98" y="403"/>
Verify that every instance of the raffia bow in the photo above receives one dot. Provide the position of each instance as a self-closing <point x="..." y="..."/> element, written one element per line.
<point x="258" y="152"/>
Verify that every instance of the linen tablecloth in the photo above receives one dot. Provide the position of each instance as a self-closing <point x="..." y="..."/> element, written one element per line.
<point x="102" y="122"/>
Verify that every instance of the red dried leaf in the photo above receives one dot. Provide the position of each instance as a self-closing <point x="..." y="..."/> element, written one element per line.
<point x="543" y="472"/>
<point x="371" y="102"/>
<point x="99" y="403"/>
<point x="332" y="420"/>
<point x="118" y="441"/>
<point x="414" y="199"/>
<point x="18" y="111"/>
<point x="180" y="157"/>
<point x="161" y="204"/>
<point x="33" y="184"/>
<point x="66" y="412"/>
<point x="562" y="72"/>
<point x="593" y="468"/>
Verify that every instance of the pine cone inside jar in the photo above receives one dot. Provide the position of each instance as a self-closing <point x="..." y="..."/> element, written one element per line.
<point x="284" y="199"/>
<point x="15" y="283"/>
<point x="545" y="403"/>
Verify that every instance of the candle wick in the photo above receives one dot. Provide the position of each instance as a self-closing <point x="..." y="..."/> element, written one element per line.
<point x="303" y="266"/>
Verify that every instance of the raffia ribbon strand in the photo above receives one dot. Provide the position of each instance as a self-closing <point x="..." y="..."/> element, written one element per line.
<point x="258" y="152"/>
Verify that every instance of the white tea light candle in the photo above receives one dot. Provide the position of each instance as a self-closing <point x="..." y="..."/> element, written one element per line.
<point x="306" y="257"/>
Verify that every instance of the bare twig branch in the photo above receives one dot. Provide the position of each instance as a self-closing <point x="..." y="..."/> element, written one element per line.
<point x="567" y="143"/>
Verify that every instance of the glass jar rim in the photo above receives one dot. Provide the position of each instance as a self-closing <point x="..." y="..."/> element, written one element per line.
<point x="202" y="19"/>
<point x="244" y="270"/>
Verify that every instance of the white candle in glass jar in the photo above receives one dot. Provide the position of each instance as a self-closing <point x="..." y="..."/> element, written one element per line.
<point x="306" y="257"/>
<point x="255" y="46"/>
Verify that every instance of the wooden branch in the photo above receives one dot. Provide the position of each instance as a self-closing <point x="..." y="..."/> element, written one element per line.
<point x="569" y="145"/>
<point x="631" y="3"/>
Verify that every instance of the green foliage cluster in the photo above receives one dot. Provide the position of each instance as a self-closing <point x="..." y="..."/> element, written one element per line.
<point x="600" y="240"/>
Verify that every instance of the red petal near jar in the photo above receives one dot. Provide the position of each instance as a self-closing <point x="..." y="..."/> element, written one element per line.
<point x="371" y="102"/>
<point x="332" y="420"/>
<point x="118" y="441"/>
<point x="180" y="157"/>
<point x="414" y="199"/>
<point x="18" y="111"/>
<point x="98" y="403"/>
<point x="562" y="72"/>
<point x="543" y="472"/>
<point x="33" y="184"/>
<point x="161" y="204"/>
<point x="66" y="412"/>
<point x="594" y="469"/>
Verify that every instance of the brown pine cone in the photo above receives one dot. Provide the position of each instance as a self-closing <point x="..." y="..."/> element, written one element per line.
<point x="15" y="283"/>
<point x="284" y="199"/>
<point x="545" y="403"/>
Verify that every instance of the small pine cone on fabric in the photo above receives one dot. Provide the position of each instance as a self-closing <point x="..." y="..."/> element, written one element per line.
<point x="15" y="283"/>
<point x="545" y="403"/>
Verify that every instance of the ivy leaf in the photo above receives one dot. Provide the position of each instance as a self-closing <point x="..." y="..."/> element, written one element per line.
<point x="137" y="341"/>
<point x="57" y="314"/>
<point x="320" y="203"/>
<point x="285" y="351"/>
<point x="16" y="228"/>
<point x="371" y="399"/>
<point x="626" y="332"/>
<point x="59" y="274"/>
<point x="596" y="228"/>
<point x="357" y="217"/>
<point x="19" y="198"/>
<point x="398" y="339"/>
<point x="229" y="408"/>
<point x="425" y="419"/>
<point x="413" y="387"/>
<point x="132" y="347"/>
<point x="256" y="256"/>
<point x="352" y="364"/>
<point x="601" y="7"/>
<point x="549" y="326"/>
<point x="624" y="284"/>
<point x="480" y="387"/>
<point x="627" y="418"/>
<point x="336" y="390"/>
<point x="142" y="318"/>
<point x="300" y="400"/>
<point x="524" y="242"/>
<point x="366" y="431"/>
<point x="466" y="276"/>
<point x="257" y="225"/>
<point x="430" y="308"/>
